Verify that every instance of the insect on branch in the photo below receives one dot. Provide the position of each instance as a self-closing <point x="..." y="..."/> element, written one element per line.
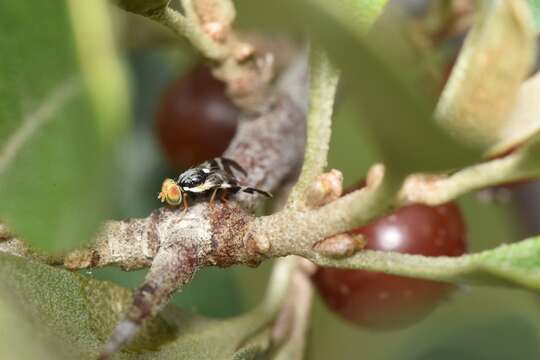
<point x="176" y="244"/>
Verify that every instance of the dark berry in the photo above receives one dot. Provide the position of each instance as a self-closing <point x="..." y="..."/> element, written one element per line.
<point x="195" y="120"/>
<point x="381" y="301"/>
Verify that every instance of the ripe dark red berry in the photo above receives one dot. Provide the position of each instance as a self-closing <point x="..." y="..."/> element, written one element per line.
<point x="381" y="301"/>
<point x="195" y="120"/>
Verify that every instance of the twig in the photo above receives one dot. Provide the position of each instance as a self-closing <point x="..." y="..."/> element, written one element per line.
<point x="289" y="330"/>
<point x="186" y="26"/>
<point x="291" y="323"/>
<point x="207" y="24"/>
<point x="13" y="245"/>
<point x="437" y="189"/>
<point x="343" y="214"/>
<point x="323" y="84"/>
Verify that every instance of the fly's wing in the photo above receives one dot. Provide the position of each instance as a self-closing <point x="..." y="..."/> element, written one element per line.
<point x="221" y="179"/>
<point x="251" y="190"/>
<point x="225" y="181"/>
<point x="208" y="166"/>
<point x="222" y="176"/>
<point x="224" y="165"/>
<point x="228" y="165"/>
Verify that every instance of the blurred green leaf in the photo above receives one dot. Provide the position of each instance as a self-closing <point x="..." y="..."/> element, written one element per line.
<point x="15" y="330"/>
<point x="478" y="341"/>
<point x="198" y="296"/>
<point x="101" y="68"/>
<point x="52" y="148"/>
<point x="82" y="312"/>
<point x="397" y="108"/>
<point x="535" y="8"/>
<point x="345" y="136"/>
<point x="483" y="87"/>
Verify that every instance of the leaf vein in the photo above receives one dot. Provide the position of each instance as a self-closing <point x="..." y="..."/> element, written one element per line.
<point x="33" y="121"/>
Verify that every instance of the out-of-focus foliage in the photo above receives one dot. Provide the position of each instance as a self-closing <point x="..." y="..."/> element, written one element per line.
<point x="535" y="8"/>
<point x="71" y="316"/>
<point x="53" y="168"/>
<point x="199" y="296"/>
<point x="397" y="107"/>
<point x="102" y="70"/>
<point x="522" y="122"/>
<point x="483" y="87"/>
<point x="16" y="330"/>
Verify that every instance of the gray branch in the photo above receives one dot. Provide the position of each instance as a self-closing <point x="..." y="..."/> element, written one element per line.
<point x="269" y="146"/>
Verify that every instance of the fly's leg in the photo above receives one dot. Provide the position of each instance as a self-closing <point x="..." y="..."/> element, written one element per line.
<point x="224" y="194"/>
<point x="186" y="205"/>
<point x="213" y="197"/>
<point x="229" y="163"/>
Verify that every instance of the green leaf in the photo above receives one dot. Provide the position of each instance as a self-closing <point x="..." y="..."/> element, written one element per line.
<point x="143" y="7"/>
<point x="53" y="150"/>
<point x="535" y="9"/>
<point x="82" y="313"/>
<point x="198" y="296"/>
<point x="475" y="340"/>
<point x="507" y="265"/>
<point x="397" y="108"/>
<point x="482" y="90"/>
<point x="101" y="67"/>
<point x="14" y="342"/>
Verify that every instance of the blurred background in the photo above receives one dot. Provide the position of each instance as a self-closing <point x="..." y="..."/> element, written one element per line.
<point x="472" y="324"/>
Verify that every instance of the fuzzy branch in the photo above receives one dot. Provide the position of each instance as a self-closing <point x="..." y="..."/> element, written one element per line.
<point x="291" y="323"/>
<point x="311" y="190"/>
<point x="322" y="89"/>
<point x="437" y="189"/>
<point x="134" y="243"/>
<point x="185" y="25"/>
<point x="380" y="196"/>
<point x="208" y="25"/>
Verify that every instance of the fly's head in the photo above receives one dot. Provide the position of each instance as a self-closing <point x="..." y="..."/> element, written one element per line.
<point x="171" y="193"/>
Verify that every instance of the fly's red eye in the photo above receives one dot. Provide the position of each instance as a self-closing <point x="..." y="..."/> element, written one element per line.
<point x="170" y="192"/>
<point x="173" y="193"/>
